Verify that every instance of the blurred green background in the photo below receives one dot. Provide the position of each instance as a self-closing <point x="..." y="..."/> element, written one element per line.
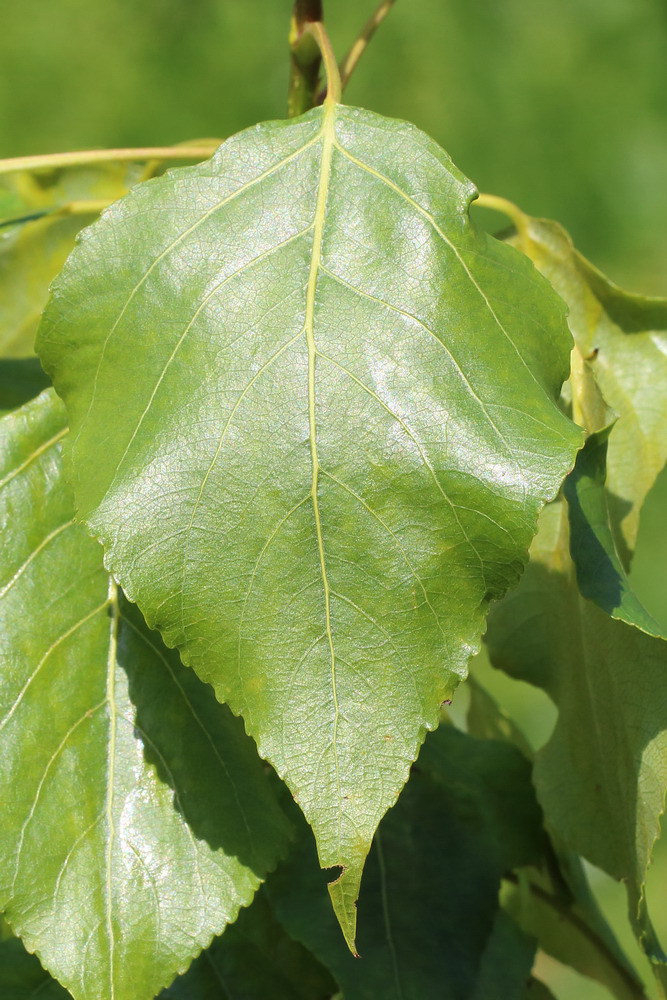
<point x="559" y="105"/>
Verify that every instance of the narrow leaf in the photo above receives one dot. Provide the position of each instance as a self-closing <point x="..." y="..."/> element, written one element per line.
<point x="600" y="573"/>
<point x="136" y="814"/>
<point x="336" y="428"/>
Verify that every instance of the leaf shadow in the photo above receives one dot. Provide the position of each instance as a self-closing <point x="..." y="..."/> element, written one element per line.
<point x="199" y="750"/>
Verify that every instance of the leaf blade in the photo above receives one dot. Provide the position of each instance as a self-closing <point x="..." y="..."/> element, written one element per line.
<point x="137" y="817"/>
<point x="311" y="444"/>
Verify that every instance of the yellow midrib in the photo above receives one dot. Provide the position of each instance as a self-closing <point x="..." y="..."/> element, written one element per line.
<point x="111" y="773"/>
<point x="328" y="143"/>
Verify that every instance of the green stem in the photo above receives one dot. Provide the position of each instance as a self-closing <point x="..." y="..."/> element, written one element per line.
<point x="360" y="44"/>
<point x="334" y="89"/>
<point x="51" y="161"/>
<point x="306" y="59"/>
<point x="508" y="208"/>
<point x="565" y="912"/>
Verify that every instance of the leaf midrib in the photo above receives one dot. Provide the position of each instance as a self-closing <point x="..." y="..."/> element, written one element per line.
<point x="328" y="143"/>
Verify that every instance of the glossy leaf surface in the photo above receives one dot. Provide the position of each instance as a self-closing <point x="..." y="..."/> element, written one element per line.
<point x="313" y="422"/>
<point x="625" y="336"/>
<point x="136" y="814"/>
<point x="429" y="899"/>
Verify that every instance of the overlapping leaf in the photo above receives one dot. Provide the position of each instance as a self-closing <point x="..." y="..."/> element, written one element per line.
<point x="601" y="778"/>
<point x="40" y="215"/>
<point x="625" y="336"/>
<point x="136" y="817"/>
<point x="313" y="423"/>
<point x="553" y="903"/>
<point x="601" y="575"/>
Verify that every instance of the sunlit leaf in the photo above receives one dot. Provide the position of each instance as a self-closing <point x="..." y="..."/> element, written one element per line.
<point x="625" y="337"/>
<point x="136" y="816"/>
<point x="313" y="423"/>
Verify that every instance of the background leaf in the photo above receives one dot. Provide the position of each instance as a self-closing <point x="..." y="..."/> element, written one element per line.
<point x="136" y="815"/>
<point x="254" y="959"/>
<point x="21" y="379"/>
<point x="601" y="576"/>
<point x="429" y="899"/>
<point x="310" y="310"/>
<point x="40" y="216"/>
<point x="626" y="336"/>
<point x="601" y="777"/>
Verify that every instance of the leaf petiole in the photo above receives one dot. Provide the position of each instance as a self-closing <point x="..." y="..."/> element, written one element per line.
<point x="360" y="44"/>
<point x="52" y="161"/>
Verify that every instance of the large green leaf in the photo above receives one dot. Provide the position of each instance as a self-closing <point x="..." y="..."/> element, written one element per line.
<point x="601" y="777"/>
<point x="625" y="335"/>
<point x="136" y="816"/>
<point x="429" y="900"/>
<point x="313" y="423"/>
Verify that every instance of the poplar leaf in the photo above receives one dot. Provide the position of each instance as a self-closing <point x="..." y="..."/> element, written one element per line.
<point x="625" y="337"/>
<point x="601" y="777"/>
<point x="313" y="418"/>
<point x="136" y="816"/>
<point x="600" y="573"/>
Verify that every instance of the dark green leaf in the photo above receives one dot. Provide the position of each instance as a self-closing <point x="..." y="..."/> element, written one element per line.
<point x="254" y="960"/>
<point x="430" y="894"/>
<point x="600" y="573"/>
<point x="21" y="379"/>
<point x="504" y="971"/>
<point x="314" y="419"/>
<point x="136" y="815"/>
